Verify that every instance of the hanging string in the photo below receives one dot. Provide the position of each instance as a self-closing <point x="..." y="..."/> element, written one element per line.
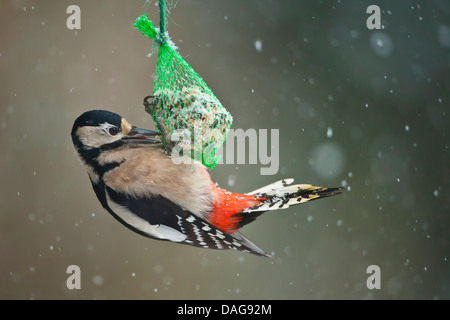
<point x="159" y="35"/>
<point x="162" y="16"/>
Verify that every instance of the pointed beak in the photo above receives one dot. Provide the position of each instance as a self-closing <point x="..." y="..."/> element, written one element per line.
<point x="141" y="136"/>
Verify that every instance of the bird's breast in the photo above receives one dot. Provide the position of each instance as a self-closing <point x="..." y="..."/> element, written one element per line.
<point x="149" y="172"/>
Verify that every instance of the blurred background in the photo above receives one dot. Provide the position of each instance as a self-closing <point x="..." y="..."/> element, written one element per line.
<point x="358" y="108"/>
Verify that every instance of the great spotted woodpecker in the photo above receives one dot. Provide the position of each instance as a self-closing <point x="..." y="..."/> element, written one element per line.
<point x="136" y="181"/>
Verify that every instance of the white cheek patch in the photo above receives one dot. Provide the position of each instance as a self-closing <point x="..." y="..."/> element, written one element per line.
<point x="157" y="231"/>
<point x="105" y="126"/>
<point x="110" y="138"/>
<point x="96" y="137"/>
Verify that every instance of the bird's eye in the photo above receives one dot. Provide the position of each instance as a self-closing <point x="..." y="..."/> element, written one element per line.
<point x="113" y="131"/>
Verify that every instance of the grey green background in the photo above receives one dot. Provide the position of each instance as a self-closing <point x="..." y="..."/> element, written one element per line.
<point x="361" y="108"/>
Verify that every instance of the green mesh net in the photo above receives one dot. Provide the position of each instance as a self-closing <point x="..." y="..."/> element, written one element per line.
<point x="182" y="106"/>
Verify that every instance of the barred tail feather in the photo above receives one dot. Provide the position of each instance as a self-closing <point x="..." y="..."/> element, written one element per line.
<point x="288" y="195"/>
<point x="282" y="195"/>
<point x="273" y="186"/>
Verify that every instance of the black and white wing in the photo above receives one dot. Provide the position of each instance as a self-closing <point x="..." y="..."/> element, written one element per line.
<point x="159" y="218"/>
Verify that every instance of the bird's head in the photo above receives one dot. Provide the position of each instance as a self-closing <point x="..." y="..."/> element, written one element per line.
<point x="99" y="131"/>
